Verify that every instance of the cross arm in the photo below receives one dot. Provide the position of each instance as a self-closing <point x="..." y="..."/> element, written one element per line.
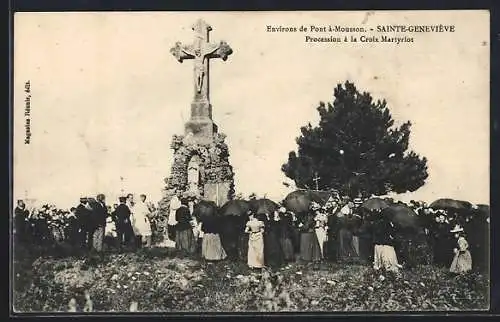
<point x="221" y="50"/>
<point x="181" y="52"/>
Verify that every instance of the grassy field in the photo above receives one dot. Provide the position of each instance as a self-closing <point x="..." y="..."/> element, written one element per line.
<point x="161" y="280"/>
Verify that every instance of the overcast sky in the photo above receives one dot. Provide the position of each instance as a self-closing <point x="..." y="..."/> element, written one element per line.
<point x="107" y="96"/>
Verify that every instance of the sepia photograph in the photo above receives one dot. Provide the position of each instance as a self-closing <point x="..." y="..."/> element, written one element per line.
<point x="250" y="161"/>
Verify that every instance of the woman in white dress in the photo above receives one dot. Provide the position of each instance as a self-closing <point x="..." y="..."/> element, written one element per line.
<point x="321" y="227"/>
<point x="255" y="229"/>
<point x="140" y="221"/>
<point x="175" y="203"/>
<point x="462" y="262"/>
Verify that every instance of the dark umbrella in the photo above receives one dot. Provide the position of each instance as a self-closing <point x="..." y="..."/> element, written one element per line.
<point x="297" y="201"/>
<point x="232" y="225"/>
<point x="205" y="209"/>
<point x="300" y="200"/>
<point x="235" y="208"/>
<point x="253" y="204"/>
<point x="375" y="203"/>
<point x="266" y="206"/>
<point x="446" y="203"/>
<point x="485" y="209"/>
<point x="402" y="216"/>
<point x="320" y="196"/>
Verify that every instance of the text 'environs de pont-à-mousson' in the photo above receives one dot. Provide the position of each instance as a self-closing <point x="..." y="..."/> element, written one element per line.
<point x="437" y="28"/>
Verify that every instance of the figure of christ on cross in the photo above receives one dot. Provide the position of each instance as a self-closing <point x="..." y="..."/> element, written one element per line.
<point x="201" y="51"/>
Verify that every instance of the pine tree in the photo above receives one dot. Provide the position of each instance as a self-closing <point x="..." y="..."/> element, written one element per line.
<point x="356" y="149"/>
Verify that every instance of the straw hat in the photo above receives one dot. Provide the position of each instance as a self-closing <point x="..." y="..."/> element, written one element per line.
<point x="456" y="229"/>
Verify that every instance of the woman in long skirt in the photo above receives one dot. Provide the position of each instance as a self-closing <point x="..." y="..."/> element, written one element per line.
<point x="443" y="240"/>
<point x="309" y="245"/>
<point x="141" y="223"/>
<point x="347" y="250"/>
<point x="285" y="235"/>
<point x="273" y="255"/>
<point x="462" y="262"/>
<point x="230" y="230"/>
<point x="243" y="238"/>
<point x="321" y="221"/>
<point x="211" y="246"/>
<point x="384" y="253"/>
<point x="184" y="237"/>
<point x="255" y="229"/>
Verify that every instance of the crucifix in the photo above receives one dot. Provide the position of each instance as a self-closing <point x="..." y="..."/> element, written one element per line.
<point x="316" y="180"/>
<point x="201" y="51"/>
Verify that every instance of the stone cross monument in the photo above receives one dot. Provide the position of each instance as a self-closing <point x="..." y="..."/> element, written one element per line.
<point x="201" y="165"/>
<point x="201" y="51"/>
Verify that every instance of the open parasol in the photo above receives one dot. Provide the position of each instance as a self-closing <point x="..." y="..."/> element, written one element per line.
<point x="320" y="197"/>
<point x="266" y="206"/>
<point x="300" y="200"/>
<point x="402" y="216"/>
<point x="235" y="208"/>
<point x="375" y="204"/>
<point x="253" y="203"/>
<point x="485" y="209"/>
<point x="446" y="203"/>
<point x="205" y="209"/>
<point x="297" y="201"/>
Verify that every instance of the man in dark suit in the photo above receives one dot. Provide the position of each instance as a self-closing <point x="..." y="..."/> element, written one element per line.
<point x="21" y="221"/>
<point x="72" y="227"/>
<point x="123" y="226"/>
<point x="99" y="215"/>
<point x="333" y="229"/>
<point x="83" y="216"/>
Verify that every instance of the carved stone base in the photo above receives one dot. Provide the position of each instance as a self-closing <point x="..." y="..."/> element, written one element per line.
<point x="203" y="130"/>
<point x="201" y="109"/>
<point x="216" y="181"/>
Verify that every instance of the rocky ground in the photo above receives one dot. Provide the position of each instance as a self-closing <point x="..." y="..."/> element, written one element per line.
<point x="161" y="280"/>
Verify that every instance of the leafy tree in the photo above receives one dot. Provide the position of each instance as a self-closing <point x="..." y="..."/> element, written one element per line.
<point x="356" y="149"/>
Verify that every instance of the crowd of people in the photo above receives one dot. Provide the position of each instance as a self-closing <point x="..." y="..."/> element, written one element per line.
<point x="341" y="230"/>
<point x="89" y="225"/>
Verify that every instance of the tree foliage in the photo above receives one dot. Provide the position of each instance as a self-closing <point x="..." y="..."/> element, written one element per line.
<point x="356" y="149"/>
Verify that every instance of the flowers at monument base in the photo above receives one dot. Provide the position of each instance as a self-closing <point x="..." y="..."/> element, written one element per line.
<point x="176" y="142"/>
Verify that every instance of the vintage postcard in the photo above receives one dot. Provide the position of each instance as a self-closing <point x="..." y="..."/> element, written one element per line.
<point x="310" y="161"/>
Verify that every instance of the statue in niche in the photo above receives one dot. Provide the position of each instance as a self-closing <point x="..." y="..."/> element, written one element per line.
<point x="189" y="138"/>
<point x="193" y="174"/>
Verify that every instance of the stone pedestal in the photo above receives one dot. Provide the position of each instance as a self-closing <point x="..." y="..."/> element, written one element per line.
<point x="201" y="109"/>
<point x="203" y="130"/>
<point x="216" y="181"/>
